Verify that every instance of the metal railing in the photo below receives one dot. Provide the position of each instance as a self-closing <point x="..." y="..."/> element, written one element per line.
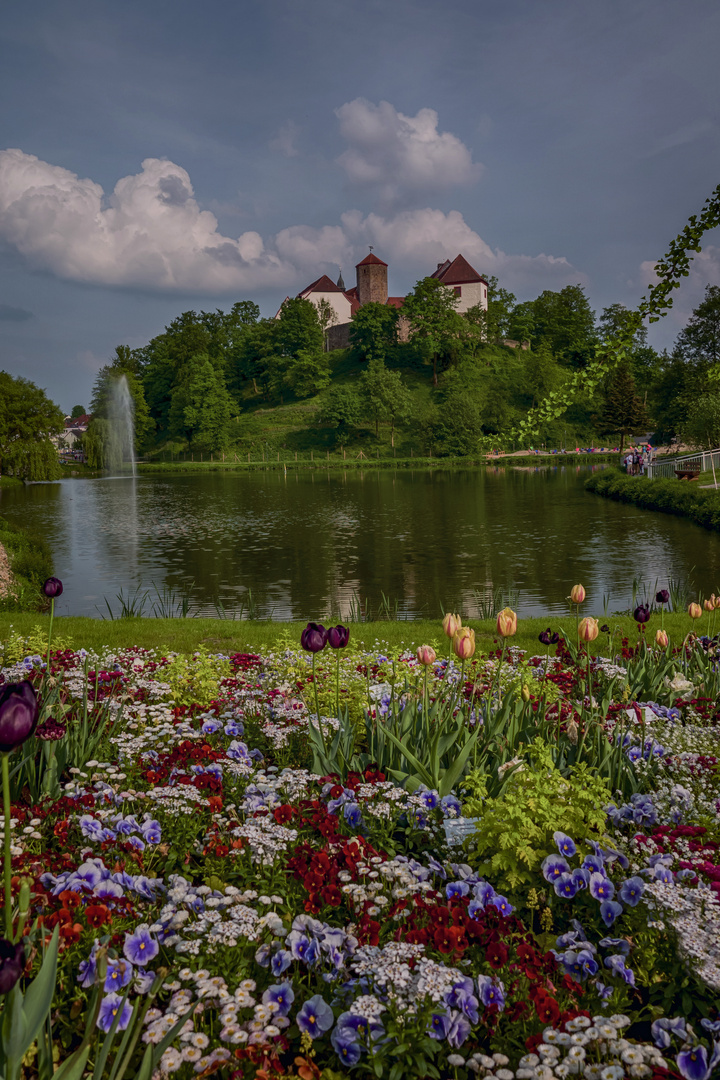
<point x="702" y="461"/>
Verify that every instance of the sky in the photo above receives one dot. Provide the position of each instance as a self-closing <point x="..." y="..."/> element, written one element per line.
<point x="160" y="157"/>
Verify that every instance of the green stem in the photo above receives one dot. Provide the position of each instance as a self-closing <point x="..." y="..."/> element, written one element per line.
<point x="317" y="706"/>
<point x="50" y="629"/>
<point x="7" y="853"/>
<point x="337" y="685"/>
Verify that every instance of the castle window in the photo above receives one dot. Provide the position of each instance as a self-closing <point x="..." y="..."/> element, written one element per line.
<point x="457" y="290"/>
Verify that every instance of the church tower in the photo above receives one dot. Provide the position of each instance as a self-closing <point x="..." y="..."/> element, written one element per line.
<point x="371" y="280"/>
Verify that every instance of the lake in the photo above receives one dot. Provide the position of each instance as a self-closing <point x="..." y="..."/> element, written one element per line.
<point x="311" y="545"/>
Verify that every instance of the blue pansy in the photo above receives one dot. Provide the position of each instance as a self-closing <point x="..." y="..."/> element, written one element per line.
<point x="565" y="845"/>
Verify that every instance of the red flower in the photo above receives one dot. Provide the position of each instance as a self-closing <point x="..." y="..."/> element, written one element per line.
<point x="97" y="915"/>
<point x="547" y="1008"/>
<point x="283" y="814"/>
<point x="496" y="955"/>
<point x="332" y="896"/>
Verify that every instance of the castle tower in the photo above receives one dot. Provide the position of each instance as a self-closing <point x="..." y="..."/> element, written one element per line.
<point x="371" y="280"/>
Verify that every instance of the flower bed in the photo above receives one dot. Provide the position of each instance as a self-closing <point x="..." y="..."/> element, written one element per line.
<point x="504" y="866"/>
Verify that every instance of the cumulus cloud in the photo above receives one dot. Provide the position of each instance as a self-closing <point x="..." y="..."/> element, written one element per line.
<point x="417" y="240"/>
<point x="150" y="232"/>
<point x="401" y="157"/>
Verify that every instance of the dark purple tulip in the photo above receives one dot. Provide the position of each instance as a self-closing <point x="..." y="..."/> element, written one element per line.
<point x="544" y="637"/>
<point x="641" y="614"/>
<point x="554" y="638"/>
<point x="338" y="636"/>
<point x="12" y="964"/>
<point x="663" y="597"/>
<point x="18" y="714"/>
<point x="604" y="629"/>
<point x="314" y="637"/>
<point x="53" y="587"/>
<point x="51" y="731"/>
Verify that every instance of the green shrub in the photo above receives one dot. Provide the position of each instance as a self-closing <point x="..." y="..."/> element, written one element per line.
<point x="30" y="564"/>
<point x="514" y="832"/>
<point x="667" y="496"/>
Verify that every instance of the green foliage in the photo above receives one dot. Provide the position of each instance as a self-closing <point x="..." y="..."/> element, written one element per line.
<point x="514" y="832"/>
<point x="342" y="409"/>
<point x="195" y="678"/>
<point x="200" y="410"/>
<point x="77" y="410"/>
<point x="702" y="426"/>
<point x="30" y="560"/>
<point x="308" y="373"/>
<point x="373" y="332"/>
<point x="101" y="404"/>
<point x="27" y="420"/>
<point x="623" y="411"/>
<point x="668" y="496"/>
<point x="434" y="322"/>
<point x="699" y="343"/>
<point x="384" y="395"/>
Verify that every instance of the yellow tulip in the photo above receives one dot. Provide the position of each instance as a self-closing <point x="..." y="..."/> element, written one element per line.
<point x="506" y="622"/>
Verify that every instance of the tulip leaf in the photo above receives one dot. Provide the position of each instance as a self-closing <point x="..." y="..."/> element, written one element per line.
<point x="454" y="772"/>
<point x="14" y="1031"/>
<point x="74" y="1066"/>
<point x="40" y="992"/>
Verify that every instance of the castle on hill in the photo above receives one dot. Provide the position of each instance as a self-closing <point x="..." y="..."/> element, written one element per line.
<point x="371" y="285"/>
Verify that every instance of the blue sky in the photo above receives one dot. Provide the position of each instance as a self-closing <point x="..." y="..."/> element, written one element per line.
<point x="156" y="157"/>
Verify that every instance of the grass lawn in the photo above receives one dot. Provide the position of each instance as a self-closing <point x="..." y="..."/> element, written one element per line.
<point x="226" y="635"/>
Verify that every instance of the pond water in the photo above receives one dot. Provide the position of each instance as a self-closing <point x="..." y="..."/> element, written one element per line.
<point x="313" y="544"/>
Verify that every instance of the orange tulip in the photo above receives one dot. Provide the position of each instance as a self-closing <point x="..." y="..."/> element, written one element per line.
<point x="577" y="594"/>
<point x="426" y="655"/>
<point x="709" y="605"/>
<point x="694" y="611"/>
<point x="661" y="639"/>
<point x="506" y="622"/>
<point x="588" y="629"/>
<point x="451" y="624"/>
<point x="463" y="643"/>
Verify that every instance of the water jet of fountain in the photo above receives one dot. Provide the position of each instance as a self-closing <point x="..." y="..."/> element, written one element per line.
<point x="122" y="415"/>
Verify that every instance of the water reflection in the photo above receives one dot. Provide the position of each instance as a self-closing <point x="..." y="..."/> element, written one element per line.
<point x="310" y="544"/>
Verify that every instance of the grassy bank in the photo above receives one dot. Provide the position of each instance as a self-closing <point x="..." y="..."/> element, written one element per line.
<point x="225" y="635"/>
<point x="353" y="462"/>
<point x="30" y="563"/>
<point x="677" y="497"/>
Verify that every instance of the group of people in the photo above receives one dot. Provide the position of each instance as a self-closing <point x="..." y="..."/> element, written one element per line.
<point x="638" y="458"/>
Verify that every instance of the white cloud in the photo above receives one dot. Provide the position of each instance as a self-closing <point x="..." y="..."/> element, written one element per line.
<point x="401" y="157"/>
<point x="419" y="239"/>
<point x="284" y="141"/>
<point x="150" y="232"/>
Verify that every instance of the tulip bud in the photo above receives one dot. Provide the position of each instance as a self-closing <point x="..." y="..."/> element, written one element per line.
<point x="24" y="896"/>
<point x="463" y="643"/>
<point x="572" y="731"/>
<point x="451" y="624"/>
<point x="525" y="693"/>
<point x="577" y="594"/>
<point x="53" y="587"/>
<point x="709" y="605"/>
<point x="661" y="639"/>
<point x="588" y="629"/>
<point x="717" y="602"/>
<point x="506" y="622"/>
<point x="18" y="714"/>
<point x="426" y="655"/>
<point x="662" y="597"/>
<point x="694" y="611"/>
<point x="314" y="637"/>
<point x="338" y="636"/>
<point x="641" y="614"/>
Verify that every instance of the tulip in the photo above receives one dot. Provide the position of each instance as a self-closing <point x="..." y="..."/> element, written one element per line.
<point x="52" y="587"/>
<point x="577" y="594"/>
<point x="662" y="597"/>
<point x="314" y="637"/>
<point x="588" y="629"/>
<point x="709" y="605"/>
<point x="18" y="715"/>
<point x="463" y="643"/>
<point x="451" y="624"/>
<point x="661" y="639"/>
<point x="717" y="602"/>
<point x="426" y="655"/>
<point x="694" y="611"/>
<point x="641" y="614"/>
<point x="338" y="636"/>
<point x="12" y="964"/>
<point x="506" y="622"/>
<point x="51" y="731"/>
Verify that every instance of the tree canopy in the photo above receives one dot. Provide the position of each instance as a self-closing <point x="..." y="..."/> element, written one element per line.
<point x="27" y="420"/>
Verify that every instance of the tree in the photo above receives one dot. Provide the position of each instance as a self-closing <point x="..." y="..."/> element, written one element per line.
<point x="77" y="410"/>
<point x="299" y="328"/>
<point x="623" y="411"/>
<point x="431" y="311"/>
<point x="457" y="426"/>
<point x="385" y="395"/>
<point x="495" y="320"/>
<point x="373" y="331"/>
<point x="105" y="386"/>
<point x="541" y="373"/>
<point x="699" y="343"/>
<point x="307" y="373"/>
<point x="645" y="362"/>
<point x="702" y="427"/>
<point x="201" y="406"/>
<point x="341" y="408"/>
<point x="564" y="321"/>
<point x="327" y="317"/>
<point x="27" y="420"/>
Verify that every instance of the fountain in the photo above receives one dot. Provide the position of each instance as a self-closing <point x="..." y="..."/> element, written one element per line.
<point x="122" y="418"/>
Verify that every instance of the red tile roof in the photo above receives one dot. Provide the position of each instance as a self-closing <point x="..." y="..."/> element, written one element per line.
<point x="395" y="301"/>
<point x="457" y="272"/>
<point x="323" y="284"/>
<point x="371" y="260"/>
